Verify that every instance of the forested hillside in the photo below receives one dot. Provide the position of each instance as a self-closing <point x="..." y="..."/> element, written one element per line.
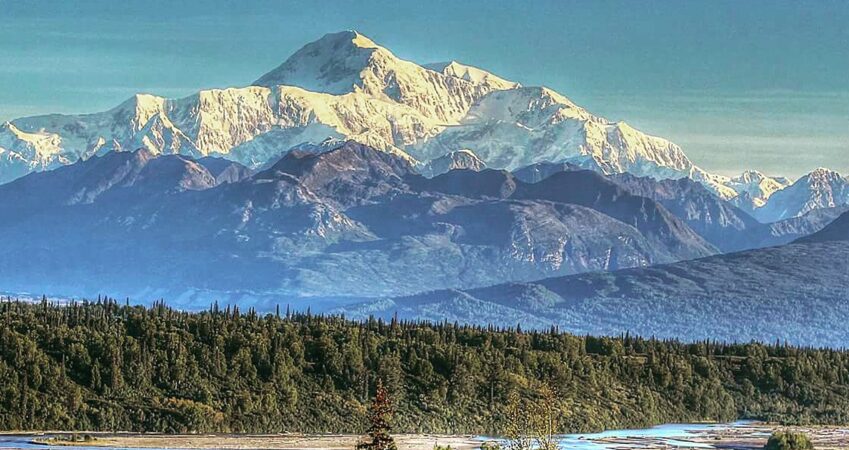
<point x="101" y="366"/>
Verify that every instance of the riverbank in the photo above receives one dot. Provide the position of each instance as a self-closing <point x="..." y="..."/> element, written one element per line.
<point x="736" y="436"/>
<point x="265" y="442"/>
<point x="753" y="436"/>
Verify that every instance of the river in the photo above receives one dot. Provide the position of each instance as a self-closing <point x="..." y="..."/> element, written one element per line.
<point x="743" y="435"/>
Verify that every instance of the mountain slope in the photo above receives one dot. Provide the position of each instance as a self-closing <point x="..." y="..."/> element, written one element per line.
<point x="789" y="230"/>
<point x="797" y="293"/>
<point x="519" y="127"/>
<point x="537" y="172"/>
<point x="835" y="232"/>
<point x="584" y="188"/>
<point x="111" y="175"/>
<point x="716" y="220"/>
<point x="224" y="171"/>
<point x="591" y="189"/>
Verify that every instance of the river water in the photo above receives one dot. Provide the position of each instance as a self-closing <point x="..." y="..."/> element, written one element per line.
<point x="670" y="436"/>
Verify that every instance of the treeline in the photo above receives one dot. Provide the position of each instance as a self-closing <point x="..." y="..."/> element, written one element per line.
<point x="105" y="366"/>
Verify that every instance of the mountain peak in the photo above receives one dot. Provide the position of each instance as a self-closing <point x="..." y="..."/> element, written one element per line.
<point x="331" y="64"/>
<point x="471" y="74"/>
<point x="822" y="173"/>
<point x="754" y="189"/>
<point x="35" y="145"/>
<point x="9" y="127"/>
<point x="749" y="176"/>
<point x="823" y="177"/>
<point x="463" y="159"/>
<point x="139" y="109"/>
<point x="344" y="38"/>
<point x="346" y="157"/>
<point x="822" y="188"/>
<point x="357" y="39"/>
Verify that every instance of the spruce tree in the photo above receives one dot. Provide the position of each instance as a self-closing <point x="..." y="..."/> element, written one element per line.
<point x="379" y="427"/>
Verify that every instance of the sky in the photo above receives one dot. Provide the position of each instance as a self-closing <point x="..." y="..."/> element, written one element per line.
<point x="738" y="84"/>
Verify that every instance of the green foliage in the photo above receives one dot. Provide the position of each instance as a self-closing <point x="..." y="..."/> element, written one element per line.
<point x="532" y="421"/>
<point x="788" y="440"/>
<point x="101" y="366"/>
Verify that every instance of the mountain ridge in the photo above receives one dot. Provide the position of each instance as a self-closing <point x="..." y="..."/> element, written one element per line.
<point x="316" y="224"/>
<point x="346" y="86"/>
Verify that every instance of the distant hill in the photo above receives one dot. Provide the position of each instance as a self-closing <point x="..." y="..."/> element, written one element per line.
<point x="798" y="293"/>
<point x="836" y="232"/>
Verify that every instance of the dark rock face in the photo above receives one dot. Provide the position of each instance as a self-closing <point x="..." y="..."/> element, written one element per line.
<point x="591" y="189"/>
<point x="721" y="223"/>
<point x="347" y="175"/>
<point x="349" y="221"/>
<point x="540" y="171"/>
<point x="224" y="170"/>
<point x="459" y="160"/>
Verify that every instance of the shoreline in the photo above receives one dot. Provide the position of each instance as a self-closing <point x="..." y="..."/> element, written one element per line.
<point x="746" y="436"/>
<point x="283" y="441"/>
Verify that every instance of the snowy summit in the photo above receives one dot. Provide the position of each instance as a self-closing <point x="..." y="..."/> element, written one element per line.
<point x="346" y="86"/>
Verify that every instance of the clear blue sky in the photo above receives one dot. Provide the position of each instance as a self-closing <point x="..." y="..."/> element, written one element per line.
<point x="762" y="84"/>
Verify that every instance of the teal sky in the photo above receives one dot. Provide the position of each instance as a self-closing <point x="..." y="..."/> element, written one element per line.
<point x="738" y="84"/>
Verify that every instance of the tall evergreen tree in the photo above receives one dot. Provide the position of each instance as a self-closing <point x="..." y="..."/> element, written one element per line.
<point x="379" y="422"/>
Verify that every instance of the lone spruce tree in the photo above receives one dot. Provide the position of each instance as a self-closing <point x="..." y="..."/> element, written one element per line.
<point x="379" y="417"/>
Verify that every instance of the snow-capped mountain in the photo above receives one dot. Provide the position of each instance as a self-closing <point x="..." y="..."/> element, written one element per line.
<point x="341" y="86"/>
<point x="345" y="86"/>
<point x="822" y="188"/>
<point x="759" y="186"/>
<point x="755" y="188"/>
<point x="22" y="152"/>
<point x="519" y="127"/>
<point x="348" y="62"/>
